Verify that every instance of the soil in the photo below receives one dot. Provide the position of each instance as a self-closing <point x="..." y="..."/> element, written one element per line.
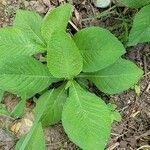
<point x="133" y="131"/>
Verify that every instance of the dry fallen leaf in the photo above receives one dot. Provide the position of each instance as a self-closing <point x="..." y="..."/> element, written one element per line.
<point x="28" y="122"/>
<point x="22" y="126"/>
<point x="15" y="128"/>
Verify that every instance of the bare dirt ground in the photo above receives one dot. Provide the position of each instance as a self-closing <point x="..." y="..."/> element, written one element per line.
<point x="133" y="132"/>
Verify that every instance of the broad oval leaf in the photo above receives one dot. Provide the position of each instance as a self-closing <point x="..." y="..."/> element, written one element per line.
<point x="36" y="141"/>
<point x="30" y="22"/>
<point x="53" y="111"/>
<point x="116" y="78"/>
<point x="56" y="19"/>
<point x="140" y="31"/>
<point x="98" y="47"/>
<point x="86" y="119"/>
<point x="14" y="41"/>
<point x="23" y="75"/>
<point x="135" y="3"/>
<point x="64" y="59"/>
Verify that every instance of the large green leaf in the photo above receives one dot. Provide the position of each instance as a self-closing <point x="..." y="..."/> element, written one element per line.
<point x="135" y="3"/>
<point x="56" y="100"/>
<point x="30" y="22"/>
<point x="23" y="75"/>
<point x="86" y="119"/>
<point x="116" y="78"/>
<point x="98" y="47"/>
<point x="64" y="58"/>
<point x="14" y="41"/>
<point x="140" y="31"/>
<point x="37" y="140"/>
<point x="56" y="19"/>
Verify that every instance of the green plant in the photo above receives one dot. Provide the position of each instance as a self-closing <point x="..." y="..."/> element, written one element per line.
<point x="91" y="54"/>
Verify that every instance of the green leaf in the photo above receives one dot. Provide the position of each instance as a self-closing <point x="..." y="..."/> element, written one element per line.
<point x="37" y="140"/>
<point x="23" y="75"/>
<point x="84" y="83"/>
<point x="116" y="78"/>
<point x="86" y="119"/>
<point x="115" y="116"/>
<point x="68" y="84"/>
<point x="3" y="110"/>
<point x="19" y="109"/>
<point x="64" y="58"/>
<point x="30" y="22"/>
<point x="98" y="47"/>
<point x="14" y="41"/>
<point x="53" y="111"/>
<point x="135" y="3"/>
<point x="137" y="90"/>
<point x="140" y="31"/>
<point x="1" y="95"/>
<point x="56" y="19"/>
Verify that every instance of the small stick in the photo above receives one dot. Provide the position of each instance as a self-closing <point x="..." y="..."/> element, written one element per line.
<point x="143" y="135"/>
<point x="74" y="26"/>
<point x="148" y="87"/>
<point x="144" y="146"/>
<point x="113" y="146"/>
<point x="145" y="65"/>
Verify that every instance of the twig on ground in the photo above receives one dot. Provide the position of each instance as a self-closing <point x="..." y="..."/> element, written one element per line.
<point x="143" y="135"/>
<point x="73" y="25"/>
<point x="144" y="146"/>
<point x="148" y="88"/>
<point x="145" y="66"/>
<point x="113" y="146"/>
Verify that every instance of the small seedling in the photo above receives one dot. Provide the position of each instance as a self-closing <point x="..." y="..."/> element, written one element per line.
<point x="91" y="54"/>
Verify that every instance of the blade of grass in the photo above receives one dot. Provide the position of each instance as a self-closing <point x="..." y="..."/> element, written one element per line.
<point x="102" y="14"/>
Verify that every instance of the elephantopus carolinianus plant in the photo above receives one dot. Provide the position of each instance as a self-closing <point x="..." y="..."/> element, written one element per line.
<point x="92" y="54"/>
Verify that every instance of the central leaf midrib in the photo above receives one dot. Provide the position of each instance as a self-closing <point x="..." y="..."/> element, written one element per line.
<point x="78" y="99"/>
<point x="57" y="99"/>
<point x="39" y="38"/>
<point x="106" y="76"/>
<point x="84" y="111"/>
<point x="66" y="63"/>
